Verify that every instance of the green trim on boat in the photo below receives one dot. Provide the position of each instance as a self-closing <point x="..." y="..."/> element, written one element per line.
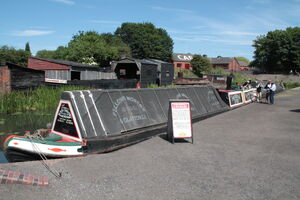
<point x="48" y="142"/>
<point x="53" y="137"/>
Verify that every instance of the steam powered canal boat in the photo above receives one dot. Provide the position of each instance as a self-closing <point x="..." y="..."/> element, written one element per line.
<point x="97" y="121"/>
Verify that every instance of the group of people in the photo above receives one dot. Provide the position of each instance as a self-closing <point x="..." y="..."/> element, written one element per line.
<point x="270" y="88"/>
<point x="270" y="92"/>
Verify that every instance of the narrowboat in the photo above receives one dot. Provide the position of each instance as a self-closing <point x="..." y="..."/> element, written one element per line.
<point x="97" y="121"/>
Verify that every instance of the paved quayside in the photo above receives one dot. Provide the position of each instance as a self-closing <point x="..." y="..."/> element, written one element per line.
<point x="252" y="152"/>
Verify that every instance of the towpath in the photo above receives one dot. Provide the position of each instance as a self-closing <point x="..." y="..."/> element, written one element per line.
<point x="252" y="152"/>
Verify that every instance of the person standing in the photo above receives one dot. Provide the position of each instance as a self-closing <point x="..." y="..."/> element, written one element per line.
<point x="229" y="81"/>
<point x="271" y="87"/>
<point x="258" y="92"/>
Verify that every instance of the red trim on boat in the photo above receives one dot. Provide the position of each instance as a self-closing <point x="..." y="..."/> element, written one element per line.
<point x="57" y="150"/>
<point x="8" y="138"/>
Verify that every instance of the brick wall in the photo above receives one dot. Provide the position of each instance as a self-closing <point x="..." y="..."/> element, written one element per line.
<point x="5" y="85"/>
<point x="183" y="65"/>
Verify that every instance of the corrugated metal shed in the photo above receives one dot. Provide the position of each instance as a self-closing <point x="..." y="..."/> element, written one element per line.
<point x="68" y="70"/>
<point x="147" y="71"/>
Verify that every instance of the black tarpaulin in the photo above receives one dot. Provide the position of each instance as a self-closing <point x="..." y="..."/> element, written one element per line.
<point x="115" y="112"/>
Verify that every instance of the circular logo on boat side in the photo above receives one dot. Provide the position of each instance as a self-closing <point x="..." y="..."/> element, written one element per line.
<point x="128" y="109"/>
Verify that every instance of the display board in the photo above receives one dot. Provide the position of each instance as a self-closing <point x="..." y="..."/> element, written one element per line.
<point x="249" y="95"/>
<point x="180" y="120"/>
<point x="235" y="98"/>
<point x="64" y="122"/>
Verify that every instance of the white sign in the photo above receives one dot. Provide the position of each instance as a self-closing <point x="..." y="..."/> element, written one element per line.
<point x="181" y="119"/>
<point x="185" y="57"/>
<point x="50" y="80"/>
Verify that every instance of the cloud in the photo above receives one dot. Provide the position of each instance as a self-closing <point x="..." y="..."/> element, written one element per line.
<point x="68" y="2"/>
<point x="172" y="9"/>
<point x="104" y="22"/>
<point x="244" y="42"/>
<point x="239" y="33"/>
<point x="262" y="1"/>
<point x="29" y="33"/>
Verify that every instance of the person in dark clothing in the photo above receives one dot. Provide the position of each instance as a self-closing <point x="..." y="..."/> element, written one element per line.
<point x="229" y="81"/>
<point x="258" y="92"/>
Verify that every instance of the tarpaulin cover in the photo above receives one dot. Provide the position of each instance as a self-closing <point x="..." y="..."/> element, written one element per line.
<point x="116" y="112"/>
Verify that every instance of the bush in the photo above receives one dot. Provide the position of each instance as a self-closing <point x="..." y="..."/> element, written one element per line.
<point x="186" y="73"/>
<point x="290" y="85"/>
<point x="219" y="70"/>
<point x="201" y="65"/>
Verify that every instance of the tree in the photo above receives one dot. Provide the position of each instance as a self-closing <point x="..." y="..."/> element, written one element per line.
<point x="201" y="64"/>
<point x="45" y="54"/>
<point x="93" y="47"/>
<point x="10" y="54"/>
<point x="146" y="41"/>
<point x="278" y="51"/>
<point x="240" y="58"/>
<point x="27" y="48"/>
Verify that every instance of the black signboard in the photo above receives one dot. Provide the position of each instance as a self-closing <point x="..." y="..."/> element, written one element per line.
<point x="235" y="98"/>
<point x="64" y="122"/>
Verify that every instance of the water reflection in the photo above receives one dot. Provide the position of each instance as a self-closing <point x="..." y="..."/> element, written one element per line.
<point x="18" y="123"/>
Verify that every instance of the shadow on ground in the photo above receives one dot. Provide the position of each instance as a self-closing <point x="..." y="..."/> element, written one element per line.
<point x="295" y="110"/>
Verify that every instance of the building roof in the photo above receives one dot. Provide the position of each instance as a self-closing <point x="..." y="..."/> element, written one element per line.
<point x="65" y="65"/>
<point x="65" y="62"/>
<point x="221" y="60"/>
<point x="138" y="62"/>
<point x="243" y="63"/>
<point x="181" y="57"/>
<point x="11" y="65"/>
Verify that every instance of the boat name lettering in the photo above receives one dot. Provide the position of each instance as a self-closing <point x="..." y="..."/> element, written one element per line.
<point x="134" y="118"/>
<point x="122" y="100"/>
<point x="212" y="98"/>
<point x="64" y="112"/>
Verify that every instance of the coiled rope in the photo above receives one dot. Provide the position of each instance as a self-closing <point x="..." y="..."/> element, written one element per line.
<point x="37" y="136"/>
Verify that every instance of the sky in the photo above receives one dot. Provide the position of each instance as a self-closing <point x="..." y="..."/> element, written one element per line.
<point x="213" y="27"/>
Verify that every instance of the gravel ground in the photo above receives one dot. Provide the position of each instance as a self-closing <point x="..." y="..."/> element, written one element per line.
<point x="252" y="152"/>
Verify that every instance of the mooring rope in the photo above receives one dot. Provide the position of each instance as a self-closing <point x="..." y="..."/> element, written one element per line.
<point x="37" y="136"/>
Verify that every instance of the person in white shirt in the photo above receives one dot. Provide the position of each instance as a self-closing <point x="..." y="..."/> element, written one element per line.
<point x="271" y="87"/>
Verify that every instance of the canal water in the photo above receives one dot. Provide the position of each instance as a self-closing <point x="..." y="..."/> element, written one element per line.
<point x="17" y="124"/>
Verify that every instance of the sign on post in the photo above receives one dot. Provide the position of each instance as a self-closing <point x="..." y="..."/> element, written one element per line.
<point x="180" y="119"/>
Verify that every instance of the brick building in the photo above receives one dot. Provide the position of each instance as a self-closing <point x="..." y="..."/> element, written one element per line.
<point x="243" y="65"/>
<point x="14" y="77"/>
<point x="182" y="61"/>
<point x="226" y="63"/>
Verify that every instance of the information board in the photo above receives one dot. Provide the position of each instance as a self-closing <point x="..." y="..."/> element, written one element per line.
<point x="235" y="98"/>
<point x="180" y="119"/>
<point x="249" y="95"/>
<point x="64" y="122"/>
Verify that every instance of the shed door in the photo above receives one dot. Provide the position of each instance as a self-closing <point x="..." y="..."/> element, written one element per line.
<point x="75" y="75"/>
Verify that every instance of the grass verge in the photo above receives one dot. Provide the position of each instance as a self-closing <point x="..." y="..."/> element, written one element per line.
<point x="42" y="98"/>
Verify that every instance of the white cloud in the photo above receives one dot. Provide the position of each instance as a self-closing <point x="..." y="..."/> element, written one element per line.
<point x="31" y="33"/>
<point x="244" y="42"/>
<point x="68" y="2"/>
<point x="171" y="9"/>
<point x="239" y="33"/>
<point x="104" y="22"/>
